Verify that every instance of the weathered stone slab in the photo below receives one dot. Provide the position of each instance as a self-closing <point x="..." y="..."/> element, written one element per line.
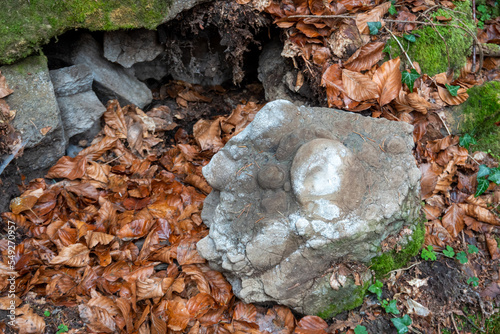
<point x="302" y="194"/>
<point x="37" y="116"/>
<point x="129" y="47"/>
<point x="72" y="80"/>
<point x="111" y="81"/>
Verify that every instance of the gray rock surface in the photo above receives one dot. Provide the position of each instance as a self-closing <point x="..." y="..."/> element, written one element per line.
<point x="37" y="111"/>
<point x="154" y="69"/>
<point x="111" y="81"/>
<point x="80" y="108"/>
<point x="129" y="47"/>
<point x="301" y="192"/>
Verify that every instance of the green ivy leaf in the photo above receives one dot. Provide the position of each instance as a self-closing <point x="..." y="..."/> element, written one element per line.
<point x="472" y="249"/>
<point x="449" y="252"/>
<point x="473" y="280"/>
<point x="374" y="27"/>
<point x="467" y="140"/>
<point x="428" y="253"/>
<point x="482" y="9"/>
<point x="376" y="288"/>
<point x="391" y="307"/>
<point x="62" y="329"/>
<point x="483" y="171"/>
<point x="452" y="89"/>
<point x="402" y="324"/>
<point x="411" y="38"/>
<point x="409" y="78"/>
<point x="46" y="313"/>
<point x="462" y="257"/>
<point x="393" y="10"/>
<point x="482" y="185"/>
<point x="495" y="175"/>
<point x="360" y="330"/>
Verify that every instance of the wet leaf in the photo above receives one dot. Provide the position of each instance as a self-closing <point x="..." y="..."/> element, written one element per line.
<point x="388" y="79"/>
<point x="482" y="186"/>
<point x="359" y="87"/>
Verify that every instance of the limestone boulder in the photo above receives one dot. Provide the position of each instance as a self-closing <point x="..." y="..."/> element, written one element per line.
<point x="302" y="200"/>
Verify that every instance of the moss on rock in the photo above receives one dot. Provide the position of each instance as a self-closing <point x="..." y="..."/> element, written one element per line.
<point x="391" y="260"/>
<point x="349" y="302"/>
<point x="478" y="115"/>
<point x="430" y="50"/>
<point x="28" y="24"/>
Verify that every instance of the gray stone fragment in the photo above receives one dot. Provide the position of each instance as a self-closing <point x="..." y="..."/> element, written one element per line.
<point x="129" y="47"/>
<point x="72" y="80"/>
<point x="79" y="112"/>
<point x="155" y="69"/>
<point x="37" y="112"/>
<point x="314" y="197"/>
<point x="111" y="81"/>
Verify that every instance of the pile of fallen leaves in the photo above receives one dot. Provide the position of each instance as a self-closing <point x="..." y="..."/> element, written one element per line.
<point x="116" y="235"/>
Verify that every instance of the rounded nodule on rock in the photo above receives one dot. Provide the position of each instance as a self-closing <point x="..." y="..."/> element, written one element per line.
<point x="271" y="177"/>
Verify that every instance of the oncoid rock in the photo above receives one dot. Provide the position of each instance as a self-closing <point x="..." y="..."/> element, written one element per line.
<point x="302" y="200"/>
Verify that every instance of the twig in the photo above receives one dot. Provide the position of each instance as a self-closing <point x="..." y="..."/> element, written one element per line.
<point x="402" y="49"/>
<point x="118" y="157"/>
<point x="454" y="324"/>
<point x="404" y="269"/>
<point x="444" y="123"/>
<point x="473" y="67"/>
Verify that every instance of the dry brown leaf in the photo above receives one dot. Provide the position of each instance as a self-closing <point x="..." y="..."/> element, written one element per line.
<point x="76" y="255"/>
<point x="388" y="79"/>
<point x="4" y="88"/>
<point x="97" y="319"/>
<point x="436" y="234"/>
<point x="418" y="103"/>
<point x="26" y="201"/>
<point x="445" y="95"/>
<point x="358" y="86"/>
<point x="492" y="246"/>
<point x="311" y="324"/>
<point x="115" y="119"/>
<point x="365" y="57"/>
<point x="245" y="312"/>
<point x="30" y="323"/>
<point x="373" y="15"/>
<point x="430" y="174"/>
<point x="453" y="220"/>
<point x="152" y="287"/>
<point x="481" y="214"/>
<point x="193" y="96"/>
<point x="178" y="314"/>
<point x="207" y="134"/>
<point x="93" y="238"/>
<point x="68" y="168"/>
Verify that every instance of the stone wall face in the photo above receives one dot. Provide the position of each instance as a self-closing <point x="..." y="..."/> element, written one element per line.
<point x="299" y="193"/>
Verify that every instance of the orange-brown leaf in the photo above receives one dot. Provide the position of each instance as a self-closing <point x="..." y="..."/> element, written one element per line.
<point x="198" y="305"/>
<point x="4" y="88"/>
<point x="453" y="220"/>
<point x="358" y="86"/>
<point x="76" y="255"/>
<point x="311" y="324"/>
<point x="208" y="134"/>
<point x="445" y="95"/>
<point x="365" y="57"/>
<point x="430" y="174"/>
<point x="388" y="79"/>
<point x="492" y="246"/>
<point x="373" y="15"/>
<point x="30" y="323"/>
<point x="68" y="168"/>
<point x="245" y="312"/>
<point x="481" y="214"/>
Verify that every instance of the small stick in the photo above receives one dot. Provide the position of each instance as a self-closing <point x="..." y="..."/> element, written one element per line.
<point x="454" y="324"/>
<point x="243" y="168"/>
<point x="405" y="269"/>
<point x="402" y="49"/>
<point x="473" y="67"/>
<point x="360" y="135"/>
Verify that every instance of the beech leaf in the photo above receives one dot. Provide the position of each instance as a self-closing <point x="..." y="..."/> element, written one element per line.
<point x="363" y="59"/>
<point x="373" y="15"/>
<point x="388" y="79"/>
<point x="359" y="87"/>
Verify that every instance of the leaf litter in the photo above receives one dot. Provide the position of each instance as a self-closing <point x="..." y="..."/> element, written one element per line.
<point x="114" y="234"/>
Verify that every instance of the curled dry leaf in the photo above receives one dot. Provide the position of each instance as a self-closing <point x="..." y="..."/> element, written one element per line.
<point x="492" y="245"/>
<point x="245" y="312"/>
<point x="311" y="324"/>
<point x="418" y="103"/>
<point x="97" y="319"/>
<point x="4" y="88"/>
<point x="178" y="315"/>
<point x="358" y="86"/>
<point x="30" y="323"/>
<point x="430" y="173"/>
<point x="152" y="287"/>
<point x="26" y="201"/>
<point x="388" y="79"/>
<point x="76" y="255"/>
<point x="115" y="119"/>
<point x="365" y="57"/>
<point x="481" y="214"/>
<point x="207" y="134"/>
<point x="437" y="235"/>
<point x="461" y="97"/>
<point x="453" y="220"/>
<point x="200" y="304"/>
<point x="373" y="15"/>
<point x="68" y="168"/>
<point x="93" y="238"/>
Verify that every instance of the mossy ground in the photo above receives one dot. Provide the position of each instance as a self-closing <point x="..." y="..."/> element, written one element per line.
<point x="394" y="260"/>
<point x="28" y="24"/>
<point x="479" y="114"/>
<point x="355" y="299"/>
<point x="430" y="50"/>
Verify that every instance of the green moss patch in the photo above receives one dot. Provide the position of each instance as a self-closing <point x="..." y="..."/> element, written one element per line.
<point x="349" y="302"/>
<point x="28" y="24"/>
<point x="479" y="114"/>
<point x="391" y="260"/>
<point x="430" y="50"/>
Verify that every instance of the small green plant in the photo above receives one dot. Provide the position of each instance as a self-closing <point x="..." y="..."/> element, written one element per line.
<point x="374" y="27"/>
<point x="360" y="330"/>
<point x="409" y="78"/>
<point x="462" y="257"/>
<point x="62" y="328"/>
<point x="402" y="324"/>
<point x="472" y="249"/>
<point x="484" y="176"/>
<point x="466" y="140"/>
<point x="410" y="38"/>
<point x="483" y="15"/>
<point x="376" y="288"/>
<point x="390" y="307"/>
<point x="428" y="253"/>
<point x="393" y="10"/>
<point x="474" y="281"/>
<point x="46" y="313"/>
<point x="449" y="252"/>
<point x="453" y="90"/>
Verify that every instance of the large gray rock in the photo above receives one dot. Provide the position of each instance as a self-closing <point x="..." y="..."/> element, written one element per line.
<point x="37" y="118"/>
<point x="80" y="108"/>
<point x="111" y="81"/>
<point x="129" y="47"/>
<point x="302" y="194"/>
